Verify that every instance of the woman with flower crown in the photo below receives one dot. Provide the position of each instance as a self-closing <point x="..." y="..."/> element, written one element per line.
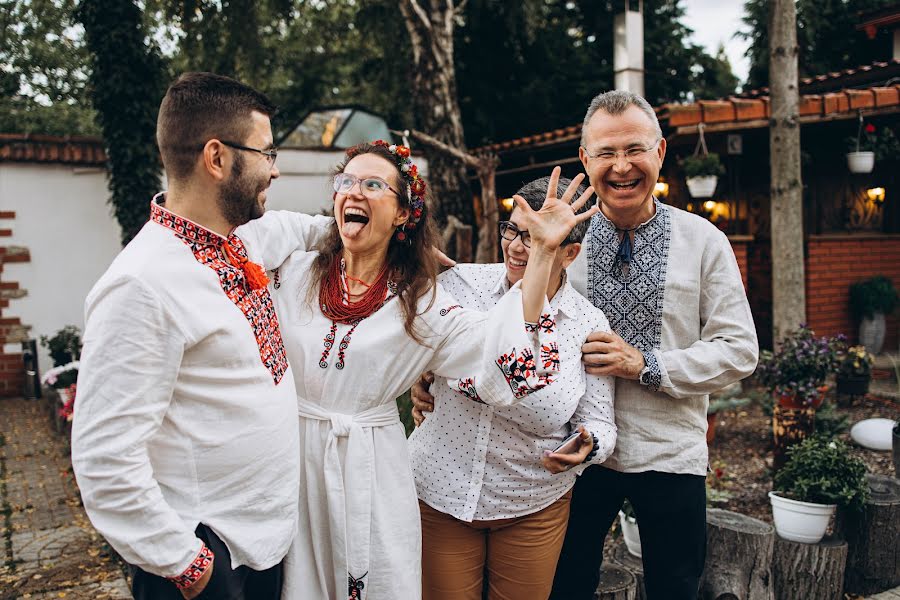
<point x="361" y="318"/>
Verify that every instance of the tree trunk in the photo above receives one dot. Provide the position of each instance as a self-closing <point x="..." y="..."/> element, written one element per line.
<point x="616" y="583"/>
<point x="786" y="187"/>
<point x="873" y="537"/>
<point x="790" y="426"/>
<point x="435" y="102"/>
<point x="738" y="557"/>
<point x="621" y="557"/>
<point x="804" y="571"/>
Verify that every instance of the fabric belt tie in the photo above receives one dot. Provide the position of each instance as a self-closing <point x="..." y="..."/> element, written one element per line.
<point x="349" y="493"/>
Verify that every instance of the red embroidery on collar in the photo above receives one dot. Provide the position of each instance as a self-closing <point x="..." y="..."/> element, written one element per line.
<point x="255" y="304"/>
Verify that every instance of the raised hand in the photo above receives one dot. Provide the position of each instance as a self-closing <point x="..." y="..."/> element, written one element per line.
<point x="550" y="225"/>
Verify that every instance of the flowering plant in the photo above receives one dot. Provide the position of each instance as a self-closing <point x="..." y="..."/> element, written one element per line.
<point x="882" y="142"/>
<point x="61" y="377"/>
<point x="856" y="362"/>
<point x="68" y="408"/>
<point x="800" y="365"/>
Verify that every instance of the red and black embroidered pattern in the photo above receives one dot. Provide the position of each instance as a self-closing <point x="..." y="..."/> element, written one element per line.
<point x="466" y="387"/>
<point x="550" y="356"/>
<point x="195" y="571"/>
<point x="547" y="323"/>
<point x="356" y="586"/>
<point x="256" y="305"/>
<point x="518" y="369"/>
<point x="446" y="311"/>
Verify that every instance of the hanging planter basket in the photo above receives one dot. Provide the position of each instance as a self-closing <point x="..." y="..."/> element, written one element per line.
<point x="702" y="169"/>
<point x="702" y="186"/>
<point x="861" y="162"/>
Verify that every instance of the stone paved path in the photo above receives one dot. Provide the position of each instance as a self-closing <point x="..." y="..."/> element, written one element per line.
<point x="48" y="547"/>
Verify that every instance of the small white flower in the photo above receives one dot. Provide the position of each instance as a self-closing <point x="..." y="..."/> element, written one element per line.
<point x="404" y="167"/>
<point x="832" y="445"/>
<point x="392" y="148"/>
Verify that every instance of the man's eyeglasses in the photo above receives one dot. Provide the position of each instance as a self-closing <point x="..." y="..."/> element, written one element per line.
<point x="372" y="188"/>
<point x="270" y="154"/>
<point x="509" y="232"/>
<point x="608" y="158"/>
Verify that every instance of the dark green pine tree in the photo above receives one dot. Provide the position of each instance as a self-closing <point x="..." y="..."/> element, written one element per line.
<point x="712" y="77"/>
<point x="826" y="35"/>
<point x="127" y="82"/>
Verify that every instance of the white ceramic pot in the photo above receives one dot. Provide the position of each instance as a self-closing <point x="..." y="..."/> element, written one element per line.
<point x="702" y="187"/>
<point x="631" y="533"/>
<point x="861" y="162"/>
<point x="871" y="332"/>
<point x="803" y="522"/>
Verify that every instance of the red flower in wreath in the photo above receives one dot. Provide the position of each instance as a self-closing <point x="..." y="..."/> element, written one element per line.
<point x="380" y="143"/>
<point x="403" y="151"/>
<point x="413" y="172"/>
<point x="417" y="213"/>
<point x="418" y="187"/>
<point x="870" y="128"/>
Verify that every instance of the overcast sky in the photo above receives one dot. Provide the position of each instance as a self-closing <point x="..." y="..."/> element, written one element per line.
<point x="715" y="22"/>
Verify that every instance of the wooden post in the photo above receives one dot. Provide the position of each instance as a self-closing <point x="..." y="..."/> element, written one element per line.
<point x="616" y="583"/>
<point x="804" y="571"/>
<point x="786" y="185"/>
<point x="790" y="426"/>
<point x="738" y="557"/>
<point x="623" y="558"/>
<point x="873" y="537"/>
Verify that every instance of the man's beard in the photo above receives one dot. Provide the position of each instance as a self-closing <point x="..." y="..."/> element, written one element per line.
<point x="239" y="198"/>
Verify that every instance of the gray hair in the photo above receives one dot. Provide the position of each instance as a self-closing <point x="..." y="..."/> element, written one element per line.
<point x="535" y="192"/>
<point x="615" y="103"/>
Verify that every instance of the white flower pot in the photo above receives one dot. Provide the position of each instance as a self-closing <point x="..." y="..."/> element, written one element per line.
<point x="702" y="187"/>
<point x="631" y="533"/>
<point x="861" y="162"/>
<point x="803" y="522"/>
<point x="872" y="331"/>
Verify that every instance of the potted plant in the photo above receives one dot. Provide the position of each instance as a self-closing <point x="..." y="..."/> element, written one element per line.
<point x="702" y="173"/>
<point x="630" y="531"/>
<point x="64" y="346"/>
<point x="795" y="373"/>
<point x="65" y="350"/>
<point x="819" y="476"/>
<point x="855" y="371"/>
<point x="870" y="300"/>
<point x="869" y="145"/>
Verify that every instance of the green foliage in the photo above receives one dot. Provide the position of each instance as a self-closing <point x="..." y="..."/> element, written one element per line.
<point x="826" y="37"/>
<point x="726" y="404"/>
<point x="127" y="84"/>
<point x="870" y="296"/>
<point x="712" y="76"/>
<point x="829" y="422"/>
<point x="700" y="166"/>
<point x="64" y="346"/>
<point x="405" y="406"/>
<point x="43" y="70"/>
<point x="856" y="362"/>
<point x="822" y="471"/>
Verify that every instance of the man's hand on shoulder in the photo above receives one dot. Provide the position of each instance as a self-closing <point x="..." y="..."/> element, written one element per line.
<point x="606" y="353"/>
<point x="422" y="400"/>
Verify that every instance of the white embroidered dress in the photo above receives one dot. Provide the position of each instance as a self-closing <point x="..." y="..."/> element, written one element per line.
<point x="359" y="517"/>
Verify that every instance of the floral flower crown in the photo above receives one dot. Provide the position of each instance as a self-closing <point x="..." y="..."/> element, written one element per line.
<point x="416" y="184"/>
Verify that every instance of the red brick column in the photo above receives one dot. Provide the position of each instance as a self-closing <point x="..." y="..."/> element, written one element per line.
<point x="833" y="263"/>
<point x="740" y="244"/>
<point x="11" y="328"/>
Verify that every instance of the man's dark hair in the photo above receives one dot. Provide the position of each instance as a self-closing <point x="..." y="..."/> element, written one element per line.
<point x="199" y="107"/>
<point x="535" y="192"/>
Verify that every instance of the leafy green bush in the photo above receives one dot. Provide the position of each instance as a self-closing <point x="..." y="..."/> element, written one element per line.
<point x="829" y="423"/>
<point x="65" y="346"/>
<point x="701" y="166"/>
<point x="823" y="471"/>
<point x="870" y="296"/>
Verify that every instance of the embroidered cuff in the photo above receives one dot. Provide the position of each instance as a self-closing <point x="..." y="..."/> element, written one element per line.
<point x="651" y="375"/>
<point x="531" y="327"/>
<point x="196" y="569"/>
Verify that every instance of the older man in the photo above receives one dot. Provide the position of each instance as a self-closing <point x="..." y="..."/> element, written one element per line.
<point x="670" y="286"/>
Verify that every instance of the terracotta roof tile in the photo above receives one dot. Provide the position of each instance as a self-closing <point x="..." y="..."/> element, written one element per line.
<point x="82" y="151"/>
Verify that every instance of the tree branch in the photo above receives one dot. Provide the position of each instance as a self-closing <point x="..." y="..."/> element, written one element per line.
<point x="420" y="12"/>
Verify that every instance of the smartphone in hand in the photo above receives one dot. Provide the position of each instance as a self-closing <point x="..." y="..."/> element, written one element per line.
<point x="570" y="445"/>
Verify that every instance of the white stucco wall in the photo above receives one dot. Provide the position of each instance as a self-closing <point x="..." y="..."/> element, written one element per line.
<point x="64" y="219"/>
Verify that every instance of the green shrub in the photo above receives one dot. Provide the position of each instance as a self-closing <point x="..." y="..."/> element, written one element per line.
<point x="65" y="346"/>
<point x="870" y="296"/>
<point x="701" y="166"/>
<point x="823" y="471"/>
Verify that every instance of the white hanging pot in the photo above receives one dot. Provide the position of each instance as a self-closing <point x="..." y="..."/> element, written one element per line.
<point x="702" y="187"/>
<point x="803" y="522"/>
<point x="631" y="533"/>
<point x="861" y="162"/>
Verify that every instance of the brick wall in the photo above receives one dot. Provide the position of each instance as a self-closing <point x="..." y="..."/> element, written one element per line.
<point x="11" y="329"/>
<point x="833" y="263"/>
<point x="740" y="244"/>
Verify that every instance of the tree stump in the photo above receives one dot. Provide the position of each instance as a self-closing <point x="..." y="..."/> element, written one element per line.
<point x="790" y="426"/>
<point x="616" y="583"/>
<point x="738" y="557"/>
<point x="804" y="571"/>
<point x="873" y="538"/>
<point x="622" y="558"/>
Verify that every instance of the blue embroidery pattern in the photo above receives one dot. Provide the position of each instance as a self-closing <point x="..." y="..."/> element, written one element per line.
<point x="632" y="300"/>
